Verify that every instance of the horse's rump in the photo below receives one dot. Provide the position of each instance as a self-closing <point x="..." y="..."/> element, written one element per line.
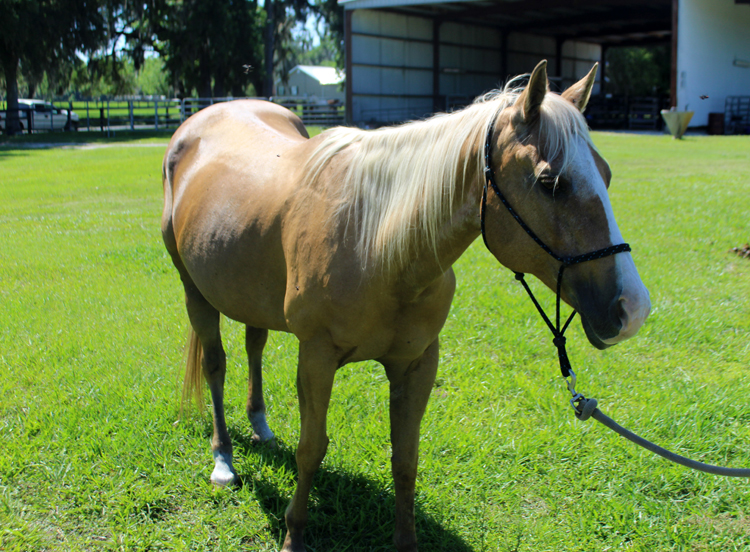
<point x="224" y="202"/>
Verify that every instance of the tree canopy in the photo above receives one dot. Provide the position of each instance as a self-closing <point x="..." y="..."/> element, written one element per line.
<point x="638" y="70"/>
<point x="212" y="49"/>
<point x="43" y="37"/>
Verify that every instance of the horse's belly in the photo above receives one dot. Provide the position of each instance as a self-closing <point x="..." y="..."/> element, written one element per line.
<point x="238" y="265"/>
<point x="252" y="295"/>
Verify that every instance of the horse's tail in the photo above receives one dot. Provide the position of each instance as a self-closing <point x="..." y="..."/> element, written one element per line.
<point x="192" y="384"/>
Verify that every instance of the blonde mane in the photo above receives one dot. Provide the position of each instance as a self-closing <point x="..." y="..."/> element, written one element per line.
<point x="400" y="181"/>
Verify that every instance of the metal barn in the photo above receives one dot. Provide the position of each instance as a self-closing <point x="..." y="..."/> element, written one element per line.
<point x="406" y="59"/>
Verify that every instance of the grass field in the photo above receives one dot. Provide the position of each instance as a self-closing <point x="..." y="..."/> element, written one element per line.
<point x="94" y="456"/>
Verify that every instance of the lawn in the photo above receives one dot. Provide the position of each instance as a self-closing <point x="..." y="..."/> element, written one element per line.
<point x="94" y="454"/>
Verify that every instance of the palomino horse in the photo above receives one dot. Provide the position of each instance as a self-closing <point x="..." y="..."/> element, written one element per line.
<point x="347" y="241"/>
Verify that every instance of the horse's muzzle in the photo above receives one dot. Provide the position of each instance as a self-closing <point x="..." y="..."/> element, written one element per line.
<point x="626" y="312"/>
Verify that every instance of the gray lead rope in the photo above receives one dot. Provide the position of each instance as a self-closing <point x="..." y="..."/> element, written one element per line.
<point x="599" y="416"/>
<point x="584" y="408"/>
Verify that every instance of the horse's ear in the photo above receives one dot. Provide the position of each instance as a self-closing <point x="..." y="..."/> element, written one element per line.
<point x="531" y="98"/>
<point x="580" y="92"/>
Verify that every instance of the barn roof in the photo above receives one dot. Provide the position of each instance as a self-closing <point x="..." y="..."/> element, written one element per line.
<point x="324" y="75"/>
<point x="611" y="22"/>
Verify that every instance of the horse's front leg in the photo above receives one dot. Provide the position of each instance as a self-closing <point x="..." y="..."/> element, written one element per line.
<point x="410" y="386"/>
<point x="318" y="360"/>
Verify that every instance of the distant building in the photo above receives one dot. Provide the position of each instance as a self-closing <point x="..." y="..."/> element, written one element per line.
<point x="313" y="81"/>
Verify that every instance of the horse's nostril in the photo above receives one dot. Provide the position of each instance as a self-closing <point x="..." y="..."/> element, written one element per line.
<point x="621" y="313"/>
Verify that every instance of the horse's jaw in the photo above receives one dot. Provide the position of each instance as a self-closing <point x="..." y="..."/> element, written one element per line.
<point x="593" y="338"/>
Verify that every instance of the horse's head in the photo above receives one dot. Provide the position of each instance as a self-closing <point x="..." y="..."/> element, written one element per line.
<point x="551" y="174"/>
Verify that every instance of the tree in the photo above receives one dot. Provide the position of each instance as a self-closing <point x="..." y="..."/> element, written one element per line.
<point x="333" y="16"/>
<point x="281" y="17"/>
<point x="151" y="78"/>
<point x="306" y="52"/>
<point x="214" y="47"/>
<point x="40" y="36"/>
<point x="128" y="32"/>
<point x="638" y="70"/>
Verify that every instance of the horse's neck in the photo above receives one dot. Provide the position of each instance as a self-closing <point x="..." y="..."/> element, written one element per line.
<point x="457" y="231"/>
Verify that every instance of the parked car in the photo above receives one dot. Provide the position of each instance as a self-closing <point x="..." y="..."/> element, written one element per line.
<point x="44" y="116"/>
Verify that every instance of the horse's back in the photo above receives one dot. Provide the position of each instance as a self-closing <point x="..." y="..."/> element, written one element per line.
<point x="224" y="192"/>
<point x="248" y="131"/>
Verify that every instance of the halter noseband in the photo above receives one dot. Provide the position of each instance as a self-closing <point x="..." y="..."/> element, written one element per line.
<point x="557" y="332"/>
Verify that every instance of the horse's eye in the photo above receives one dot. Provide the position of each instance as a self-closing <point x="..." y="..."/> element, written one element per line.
<point x="548" y="181"/>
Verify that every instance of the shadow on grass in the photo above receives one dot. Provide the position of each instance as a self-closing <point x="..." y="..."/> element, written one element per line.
<point x="49" y="140"/>
<point x="347" y="512"/>
<point x="6" y="153"/>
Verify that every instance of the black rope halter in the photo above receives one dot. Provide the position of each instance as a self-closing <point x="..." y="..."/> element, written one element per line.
<point x="557" y="331"/>
<point x="584" y="408"/>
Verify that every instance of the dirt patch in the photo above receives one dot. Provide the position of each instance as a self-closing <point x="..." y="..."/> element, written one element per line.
<point x="725" y="523"/>
<point x="743" y="251"/>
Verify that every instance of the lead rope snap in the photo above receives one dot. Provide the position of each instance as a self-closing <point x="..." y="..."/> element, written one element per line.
<point x="582" y="406"/>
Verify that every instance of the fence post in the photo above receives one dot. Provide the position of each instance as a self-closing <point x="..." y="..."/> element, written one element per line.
<point x="28" y="121"/>
<point x="166" y="118"/>
<point x="130" y="112"/>
<point x="101" y="118"/>
<point x="156" y="114"/>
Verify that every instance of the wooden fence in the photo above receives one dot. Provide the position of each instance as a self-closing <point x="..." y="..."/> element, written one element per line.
<point x="161" y="114"/>
<point x="620" y="112"/>
<point x="318" y="112"/>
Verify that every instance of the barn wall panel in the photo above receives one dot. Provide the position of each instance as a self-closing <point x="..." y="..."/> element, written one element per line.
<point x="392" y="66"/>
<point x="470" y="62"/>
<point x="366" y="49"/>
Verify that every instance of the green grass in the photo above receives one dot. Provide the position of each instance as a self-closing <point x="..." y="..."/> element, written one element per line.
<point x="93" y="455"/>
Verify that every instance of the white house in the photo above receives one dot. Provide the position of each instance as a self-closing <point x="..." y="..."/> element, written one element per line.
<point x="313" y="81"/>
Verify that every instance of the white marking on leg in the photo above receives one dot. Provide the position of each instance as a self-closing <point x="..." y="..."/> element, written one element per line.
<point x="223" y="473"/>
<point x="261" y="431"/>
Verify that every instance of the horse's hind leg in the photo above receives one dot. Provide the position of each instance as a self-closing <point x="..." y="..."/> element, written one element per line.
<point x="255" y="341"/>
<point x="205" y="322"/>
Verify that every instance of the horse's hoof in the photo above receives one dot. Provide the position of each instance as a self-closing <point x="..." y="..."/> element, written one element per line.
<point x="223" y="474"/>
<point x="293" y="545"/>
<point x="261" y="432"/>
<point x="270" y="443"/>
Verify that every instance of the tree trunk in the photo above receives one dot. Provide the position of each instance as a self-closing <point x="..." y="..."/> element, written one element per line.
<point x="10" y="70"/>
<point x="219" y="89"/>
<point x="270" y="46"/>
<point x="204" y="72"/>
